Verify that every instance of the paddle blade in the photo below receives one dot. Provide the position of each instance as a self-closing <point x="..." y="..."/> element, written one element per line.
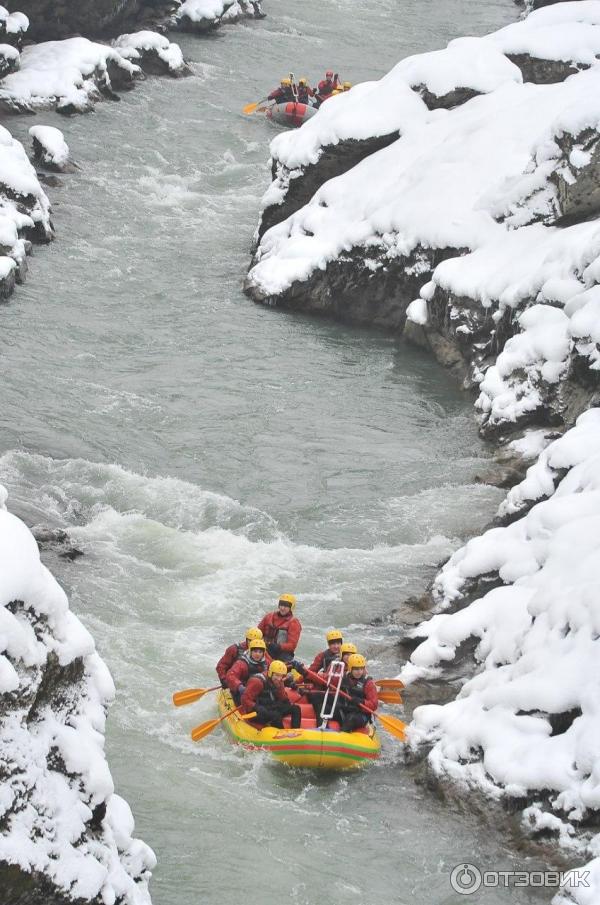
<point x="204" y="729"/>
<point x="390" y="697"/>
<point x="189" y="695"/>
<point x="250" y="108"/>
<point x="394" y="726"/>
<point x="389" y="683"/>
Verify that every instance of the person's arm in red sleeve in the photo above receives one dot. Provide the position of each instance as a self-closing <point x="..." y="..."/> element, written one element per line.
<point x="237" y="675"/>
<point x="226" y="662"/>
<point x="294" y="631"/>
<point x="274" y="95"/>
<point x="317" y="663"/>
<point x="250" y="696"/>
<point x="371" y="699"/>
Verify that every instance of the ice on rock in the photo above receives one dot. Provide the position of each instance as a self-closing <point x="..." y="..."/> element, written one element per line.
<point x="46" y="809"/>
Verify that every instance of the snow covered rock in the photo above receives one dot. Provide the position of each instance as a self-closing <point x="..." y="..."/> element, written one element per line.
<point x="50" y="147"/>
<point x="154" y="53"/>
<point x="65" y="834"/>
<point x="24" y="212"/>
<point x="201" y="15"/>
<point x="527" y="724"/>
<point x="12" y="27"/>
<point x="10" y="59"/>
<point x="553" y="43"/>
<point x="69" y="75"/>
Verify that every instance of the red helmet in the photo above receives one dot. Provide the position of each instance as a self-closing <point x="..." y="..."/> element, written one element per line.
<point x="329" y="74"/>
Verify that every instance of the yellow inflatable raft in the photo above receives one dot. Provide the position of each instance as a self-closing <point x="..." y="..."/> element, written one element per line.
<point x="305" y="747"/>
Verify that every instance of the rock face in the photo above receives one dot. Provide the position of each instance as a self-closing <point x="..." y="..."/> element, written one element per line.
<point x="300" y="185"/>
<point x="358" y="288"/>
<point x="51" y="20"/>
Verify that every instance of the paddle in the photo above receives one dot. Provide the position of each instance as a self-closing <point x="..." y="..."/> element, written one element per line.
<point x="389" y="697"/>
<point x="389" y="683"/>
<point x="393" y="725"/>
<point x="250" y="108"/>
<point x="205" y="728"/>
<point x="189" y="695"/>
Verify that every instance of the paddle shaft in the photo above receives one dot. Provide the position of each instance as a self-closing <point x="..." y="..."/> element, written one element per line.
<point x="343" y="694"/>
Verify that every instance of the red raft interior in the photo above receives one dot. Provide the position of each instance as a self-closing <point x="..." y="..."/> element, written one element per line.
<point x="308" y="720"/>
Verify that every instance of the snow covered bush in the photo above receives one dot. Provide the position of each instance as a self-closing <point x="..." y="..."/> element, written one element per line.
<point x="62" y="823"/>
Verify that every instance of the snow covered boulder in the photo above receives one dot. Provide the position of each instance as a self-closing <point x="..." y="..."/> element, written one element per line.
<point x="201" y="15"/>
<point x="154" y="53"/>
<point x="50" y="148"/>
<point x="10" y="59"/>
<point x="69" y="75"/>
<point x="243" y="9"/>
<point x="12" y="27"/>
<point x="66" y="836"/>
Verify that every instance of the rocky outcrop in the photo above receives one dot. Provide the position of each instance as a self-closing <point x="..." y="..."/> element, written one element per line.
<point x="359" y="288"/>
<point x="542" y="71"/>
<point x="577" y="176"/>
<point x="298" y="186"/>
<point x="56" y="19"/>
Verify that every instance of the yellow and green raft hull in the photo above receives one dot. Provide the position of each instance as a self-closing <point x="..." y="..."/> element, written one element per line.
<point x="310" y="748"/>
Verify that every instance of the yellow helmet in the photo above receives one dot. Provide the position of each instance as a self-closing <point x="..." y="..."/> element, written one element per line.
<point x="356" y="661"/>
<point x="334" y="635"/>
<point x="348" y="648"/>
<point x="257" y="644"/>
<point x="303" y="80"/>
<point x="254" y="634"/>
<point x="286" y="82"/>
<point x="347" y="86"/>
<point x="289" y="599"/>
<point x="277" y="668"/>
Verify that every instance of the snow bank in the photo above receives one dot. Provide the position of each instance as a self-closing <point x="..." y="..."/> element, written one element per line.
<point x="563" y="31"/>
<point x="135" y="47"/>
<point x="68" y="74"/>
<point x="528" y="722"/>
<point x="54" y="149"/>
<point x="441" y="185"/>
<point x="389" y="105"/>
<point x="55" y="692"/>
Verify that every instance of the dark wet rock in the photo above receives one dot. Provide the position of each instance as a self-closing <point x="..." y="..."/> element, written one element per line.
<point x="50" y="180"/>
<point x="445" y="101"/>
<point x="578" y="186"/>
<point x="361" y="287"/>
<point x="21" y="888"/>
<point x="56" y="19"/>
<point x="56" y="539"/>
<point x="544" y="72"/>
<point x="300" y="185"/>
<point x="504" y="477"/>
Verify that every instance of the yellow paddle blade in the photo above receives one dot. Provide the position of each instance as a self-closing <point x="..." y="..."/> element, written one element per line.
<point x="390" y="697"/>
<point x="393" y="725"/>
<point x="206" y="728"/>
<point x="189" y="695"/>
<point x="250" y="108"/>
<point x="389" y="683"/>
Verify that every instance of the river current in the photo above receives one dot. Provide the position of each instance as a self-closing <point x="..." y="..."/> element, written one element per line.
<point x="207" y="454"/>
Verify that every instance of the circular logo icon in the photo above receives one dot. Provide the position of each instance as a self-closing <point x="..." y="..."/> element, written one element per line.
<point x="465" y="879"/>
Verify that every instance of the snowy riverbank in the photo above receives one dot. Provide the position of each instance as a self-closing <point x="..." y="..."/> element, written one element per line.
<point x="464" y="213"/>
<point x="65" y="834"/>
